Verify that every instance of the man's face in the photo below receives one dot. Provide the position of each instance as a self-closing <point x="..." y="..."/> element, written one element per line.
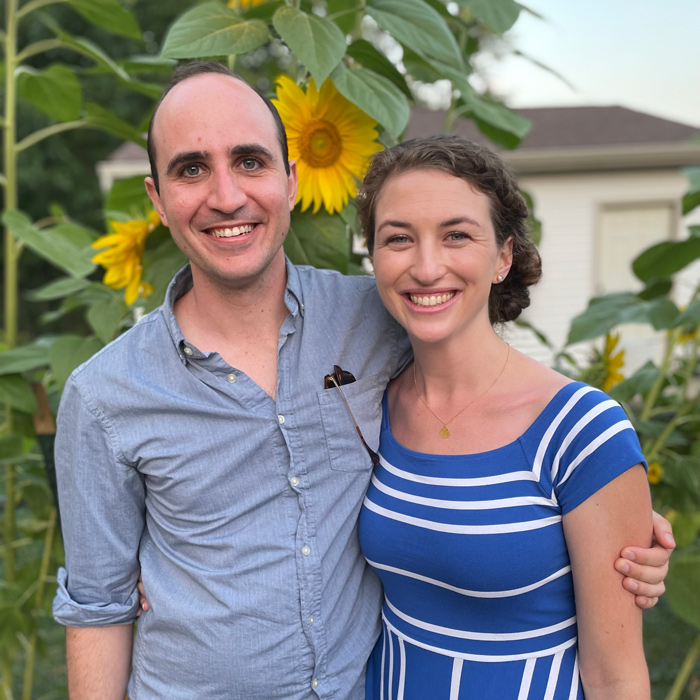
<point x="224" y="192"/>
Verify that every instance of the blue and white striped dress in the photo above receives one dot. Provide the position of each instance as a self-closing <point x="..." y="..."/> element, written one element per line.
<point x="479" y="600"/>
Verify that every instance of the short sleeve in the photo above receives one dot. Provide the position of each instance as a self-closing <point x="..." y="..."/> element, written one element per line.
<point x="102" y="517"/>
<point x="597" y="444"/>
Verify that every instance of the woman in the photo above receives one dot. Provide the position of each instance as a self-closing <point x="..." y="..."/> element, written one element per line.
<point x="505" y="491"/>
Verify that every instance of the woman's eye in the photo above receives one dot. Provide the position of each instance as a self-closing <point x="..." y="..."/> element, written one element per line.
<point x="458" y="236"/>
<point x="398" y="239"/>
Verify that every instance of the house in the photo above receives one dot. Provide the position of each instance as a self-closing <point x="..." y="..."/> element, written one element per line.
<point x="606" y="183"/>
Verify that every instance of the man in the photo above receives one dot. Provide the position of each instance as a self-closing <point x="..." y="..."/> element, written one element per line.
<point x="202" y="448"/>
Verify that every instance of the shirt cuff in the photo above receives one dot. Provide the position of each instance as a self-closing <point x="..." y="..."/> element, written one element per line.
<point x="70" y="613"/>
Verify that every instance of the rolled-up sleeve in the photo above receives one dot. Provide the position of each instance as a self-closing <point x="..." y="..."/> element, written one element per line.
<point x="102" y="512"/>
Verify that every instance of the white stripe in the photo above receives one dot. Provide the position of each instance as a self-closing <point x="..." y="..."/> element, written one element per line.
<point x="573" y="693"/>
<point x="483" y="658"/>
<point x="549" y="433"/>
<point x="553" y="676"/>
<point x="391" y="669"/>
<point x="595" y="444"/>
<point x="463" y="505"/>
<point x="386" y="634"/>
<point x="465" y="591"/>
<point x="580" y="425"/>
<point x="527" y="679"/>
<point x="480" y="636"/>
<point x="440" y="481"/>
<point x="402" y="669"/>
<point x="456" y="679"/>
<point x="463" y="529"/>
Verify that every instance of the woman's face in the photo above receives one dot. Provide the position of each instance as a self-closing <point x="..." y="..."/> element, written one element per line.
<point x="435" y="254"/>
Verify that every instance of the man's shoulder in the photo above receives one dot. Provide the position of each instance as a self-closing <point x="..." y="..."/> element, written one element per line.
<point x="124" y="353"/>
<point x="334" y="286"/>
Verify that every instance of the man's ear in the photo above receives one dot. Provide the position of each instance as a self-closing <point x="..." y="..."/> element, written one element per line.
<point x="292" y="183"/>
<point x="155" y="198"/>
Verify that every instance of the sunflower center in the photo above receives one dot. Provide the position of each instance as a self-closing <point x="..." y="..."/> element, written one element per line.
<point x="320" y="144"/>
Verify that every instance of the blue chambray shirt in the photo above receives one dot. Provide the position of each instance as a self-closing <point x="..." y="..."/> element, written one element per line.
<point x="240" y="510"/>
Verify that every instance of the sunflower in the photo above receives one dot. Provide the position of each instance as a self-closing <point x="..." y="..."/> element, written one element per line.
<point x="613" y="363"/>
<point x="330" y="139"/>
<point x="655" y="473"/>
<point x="122" y="257"/>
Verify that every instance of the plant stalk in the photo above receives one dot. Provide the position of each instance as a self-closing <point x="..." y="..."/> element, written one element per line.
<point x="685" y="670"/>
<point x="655" y="390"/>
<point x="38" y="605"/>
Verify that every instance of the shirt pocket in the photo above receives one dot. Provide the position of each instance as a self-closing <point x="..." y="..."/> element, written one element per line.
<point x="345" y="449"/>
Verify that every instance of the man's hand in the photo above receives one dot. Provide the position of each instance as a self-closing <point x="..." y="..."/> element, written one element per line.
<point x="645" y="569"/>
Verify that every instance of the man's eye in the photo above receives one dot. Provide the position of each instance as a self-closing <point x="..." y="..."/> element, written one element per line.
<point x="191" y="170"/>
<point x="250" y="163"/>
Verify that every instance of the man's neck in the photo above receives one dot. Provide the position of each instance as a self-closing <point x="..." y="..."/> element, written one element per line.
<point x="241" y="324"/>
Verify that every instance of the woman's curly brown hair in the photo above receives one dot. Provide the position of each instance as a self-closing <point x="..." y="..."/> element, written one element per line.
<point x="486" y="173"/>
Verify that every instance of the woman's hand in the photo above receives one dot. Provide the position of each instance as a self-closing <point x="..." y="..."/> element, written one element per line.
<point x="645" y="569"/>
<point x="142" y="597"/>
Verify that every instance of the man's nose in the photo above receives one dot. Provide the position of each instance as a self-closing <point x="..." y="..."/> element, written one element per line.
<point x="226" y="193"/>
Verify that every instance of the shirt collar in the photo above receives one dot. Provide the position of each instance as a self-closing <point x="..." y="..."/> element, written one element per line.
<point x="182" y="283"/>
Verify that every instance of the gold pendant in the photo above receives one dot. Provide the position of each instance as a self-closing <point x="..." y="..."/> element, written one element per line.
<point x="444" y="433"/>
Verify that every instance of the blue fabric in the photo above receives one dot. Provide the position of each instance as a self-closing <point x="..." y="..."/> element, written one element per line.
<point x="479" y="600"/>
<point x="173" y="462"/>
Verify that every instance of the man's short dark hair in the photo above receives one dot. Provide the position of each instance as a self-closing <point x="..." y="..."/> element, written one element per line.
<point x="189" y="70"/>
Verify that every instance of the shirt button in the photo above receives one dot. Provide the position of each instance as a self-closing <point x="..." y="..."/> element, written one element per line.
<point x="305" y="551"/>
<point x="231" y="378"/>
<point x="280" y="419"/>
<point x="311" y="619"/>
<point x="314" y="683"/>
<point x="294" y="481"/>
<point x="302" y="307"/>
<point x="188" y="350"/>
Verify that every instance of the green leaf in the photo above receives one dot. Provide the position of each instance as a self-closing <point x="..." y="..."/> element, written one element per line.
<point x="318" y="239"/>
<point x="499" y="15"/>
<point x="24" y="359"/>
<point x="683" y="584"/>
<point x="108" y="14"/>
<point x="105" y="318"/>
<point x="101" y="118"/>
<point x="639" y="383"/>
<point x="663" y="314"/>
<point x="70" y="351"/>
<point x="51" y="244"/>
<point x="666" y="258"/>
<point x="129" y="196"/>
<point x="213" y="30"/>
<point x="58" y="289"/>
<point x="338" y="12"/>
<point x="15" y="391"/>
<point x="56" y="91"/>
<point x="656" y="287"/>
<point x="366" y="55"/>
<point x="417" y="25"/>
<point x="686" y="527"/>
<point x="10" y="447"/>
<point x="315" y="41"/>
<point x="88" y="49"/>
<point x="691" y="316"/>
<point x="374" y="95"/>
<point x="602" y="314"/>
<point x="692" y="196"/>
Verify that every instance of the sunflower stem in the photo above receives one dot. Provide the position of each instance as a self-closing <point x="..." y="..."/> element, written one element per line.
<point x="655" y="390"/>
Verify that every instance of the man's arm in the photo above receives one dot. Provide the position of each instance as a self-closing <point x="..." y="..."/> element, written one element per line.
<point x="645" y="569"/>
<point x="99" y="659"/>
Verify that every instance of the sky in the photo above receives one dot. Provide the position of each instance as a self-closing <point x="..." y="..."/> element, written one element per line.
<point x="640" y="54"/>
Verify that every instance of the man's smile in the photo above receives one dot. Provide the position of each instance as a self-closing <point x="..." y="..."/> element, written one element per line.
<point x="229" y="232"/>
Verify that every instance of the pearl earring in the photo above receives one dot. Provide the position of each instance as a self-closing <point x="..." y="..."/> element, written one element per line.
<point x="500" y="278"/>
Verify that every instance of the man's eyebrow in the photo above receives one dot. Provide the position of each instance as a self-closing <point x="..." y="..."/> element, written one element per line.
<point x="252" y="149"/>
<point x="181" y="158"/>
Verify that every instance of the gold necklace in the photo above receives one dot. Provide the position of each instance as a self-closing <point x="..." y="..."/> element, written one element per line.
<point x="444" y="431"/>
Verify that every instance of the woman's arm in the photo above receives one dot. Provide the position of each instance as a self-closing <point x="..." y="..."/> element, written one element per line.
<point x="611" y="655"/>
